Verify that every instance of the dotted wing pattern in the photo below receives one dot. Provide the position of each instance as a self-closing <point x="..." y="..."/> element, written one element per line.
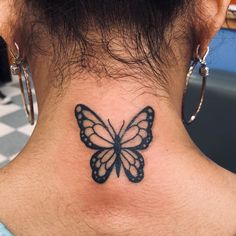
<point x="102" y="164"/>
<point x="138" y="134"/>
<point x="133" y="164"/>
<point x="93" y="131"/>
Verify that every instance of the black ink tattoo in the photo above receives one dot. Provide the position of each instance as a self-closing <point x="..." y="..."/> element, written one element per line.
<point x="116" y="149"/>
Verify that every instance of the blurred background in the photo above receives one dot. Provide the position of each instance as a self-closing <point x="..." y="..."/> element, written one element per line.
<point x="214" y="131"/>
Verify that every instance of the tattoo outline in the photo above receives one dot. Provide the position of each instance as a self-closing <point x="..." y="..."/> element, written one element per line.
<point x="116" y="149"/>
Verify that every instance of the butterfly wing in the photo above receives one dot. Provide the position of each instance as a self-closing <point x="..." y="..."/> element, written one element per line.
<point x="102" y="163"/>
<point x="133" y="164"/>
<point x="93" y="131"/>
<point x="96" y="135"/>
<point x="138" y="134"/>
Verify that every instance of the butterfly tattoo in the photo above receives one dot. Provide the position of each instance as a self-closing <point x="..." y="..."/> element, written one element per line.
<point x="116" y="149"/>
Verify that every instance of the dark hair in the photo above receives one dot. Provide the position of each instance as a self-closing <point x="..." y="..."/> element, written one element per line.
<point x="144" y="23"/>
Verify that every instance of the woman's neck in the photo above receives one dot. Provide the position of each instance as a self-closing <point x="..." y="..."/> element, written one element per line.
<point x="116" y="101"/>
<point x="57" y="139"/>
<point x="58" y="162"/>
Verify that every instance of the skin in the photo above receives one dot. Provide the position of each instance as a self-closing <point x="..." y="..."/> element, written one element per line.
<point x="48" y="190"/>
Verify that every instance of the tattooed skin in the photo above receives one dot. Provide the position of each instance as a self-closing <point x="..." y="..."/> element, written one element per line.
<point x="116" y="150"/>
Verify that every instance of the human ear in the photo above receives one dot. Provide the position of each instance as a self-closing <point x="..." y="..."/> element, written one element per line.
<point x="8" y="20"/>
<point x="213" y="14"/>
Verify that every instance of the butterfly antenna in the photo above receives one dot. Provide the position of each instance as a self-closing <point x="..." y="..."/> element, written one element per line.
<point x="112" y="127"/>
<point x="121" y="127"/>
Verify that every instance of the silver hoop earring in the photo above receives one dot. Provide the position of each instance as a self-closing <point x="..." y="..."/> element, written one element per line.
<point x="204" y="73"/>
<point x="20" y="68"/>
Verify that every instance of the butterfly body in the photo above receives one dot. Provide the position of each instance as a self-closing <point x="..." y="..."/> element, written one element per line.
<point x="118" y="166"/>
<point x="119" y="150"/>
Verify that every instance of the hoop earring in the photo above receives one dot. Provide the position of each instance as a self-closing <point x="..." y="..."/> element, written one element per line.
<point x="204" y="73"/>
<point x="20" y="68"/>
